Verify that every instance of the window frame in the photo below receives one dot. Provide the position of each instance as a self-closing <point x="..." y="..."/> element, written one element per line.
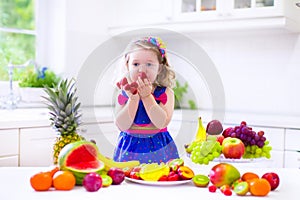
<point x="29" y="32"/>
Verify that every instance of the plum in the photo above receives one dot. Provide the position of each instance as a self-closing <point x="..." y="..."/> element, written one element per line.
<point x="92" y="182"/>
<point x="214" y="127"/>
<point x="117" y="175"/>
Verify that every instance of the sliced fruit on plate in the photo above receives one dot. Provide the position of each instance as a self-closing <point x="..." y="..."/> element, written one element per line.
<point x="153" y="171"/>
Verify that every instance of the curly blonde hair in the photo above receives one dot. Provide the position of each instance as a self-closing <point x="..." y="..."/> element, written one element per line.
<point x="166" y="77"/>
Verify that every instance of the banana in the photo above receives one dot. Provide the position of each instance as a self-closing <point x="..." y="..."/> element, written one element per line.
<point x="201" y="132"/>
<point x="109" y="163"/>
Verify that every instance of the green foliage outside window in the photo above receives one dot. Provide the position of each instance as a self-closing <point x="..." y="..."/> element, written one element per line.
<point x="179" y="92"/>
<point x="16" y="48"/>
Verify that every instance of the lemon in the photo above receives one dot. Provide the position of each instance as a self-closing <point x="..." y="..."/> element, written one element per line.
<point x="153" y="171"/>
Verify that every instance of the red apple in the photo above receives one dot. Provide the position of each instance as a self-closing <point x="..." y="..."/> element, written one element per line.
<point x="185" y="173"/>
<point x="117" y="175"/>
<point x="233" y="148"/>
<point x="272" y="178"/>
<point x="223" y="174"/>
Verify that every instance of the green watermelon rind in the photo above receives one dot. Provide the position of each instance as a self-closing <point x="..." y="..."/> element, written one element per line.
<point x="79" y="174"/>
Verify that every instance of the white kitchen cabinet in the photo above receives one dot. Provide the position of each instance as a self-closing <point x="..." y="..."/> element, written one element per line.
<point x="292" y="159"/>
<point x="9" y="147"/>
<point x="195" y="16"/>
<point x="274" y="135"/>
<point x="226" y="9"/>
<point x="36" y="146"/>
<point x="292" y="148"/>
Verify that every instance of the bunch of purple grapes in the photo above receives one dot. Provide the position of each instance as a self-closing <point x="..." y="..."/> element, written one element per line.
<point x="246" y="134"/>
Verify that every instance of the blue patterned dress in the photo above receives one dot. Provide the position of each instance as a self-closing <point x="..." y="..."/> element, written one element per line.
<point x="140" y="142"/>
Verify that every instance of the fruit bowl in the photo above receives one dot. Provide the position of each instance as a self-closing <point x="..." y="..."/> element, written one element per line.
<point x="238" y="144"/>
<point x="241" y="160"/>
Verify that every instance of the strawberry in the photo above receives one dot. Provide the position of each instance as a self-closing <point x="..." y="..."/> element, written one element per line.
<point x="124" y="81"/>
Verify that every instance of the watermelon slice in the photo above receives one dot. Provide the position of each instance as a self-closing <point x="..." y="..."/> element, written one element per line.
<point x="80" y="158"/>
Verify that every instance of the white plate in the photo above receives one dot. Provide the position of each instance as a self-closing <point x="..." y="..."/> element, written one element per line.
<point x="159" y="183"/>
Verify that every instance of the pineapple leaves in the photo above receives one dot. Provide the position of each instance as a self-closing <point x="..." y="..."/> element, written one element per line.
<point x="63" y="107"/>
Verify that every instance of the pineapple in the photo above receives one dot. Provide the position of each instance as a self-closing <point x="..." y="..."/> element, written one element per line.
<point x="65" y="117"/>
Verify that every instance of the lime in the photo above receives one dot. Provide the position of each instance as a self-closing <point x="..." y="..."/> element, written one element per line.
<point x="153" y="171"/>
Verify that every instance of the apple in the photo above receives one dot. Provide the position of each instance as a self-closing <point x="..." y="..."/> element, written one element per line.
<point x="273" y="179"/>
<point x="214" y="127"/>
<point x="185" y="173"/>
<point x="223" y="174"/>
<point x="174" y="164"/>
<point x="233" y="148"/>
<point x="117" y="175"/>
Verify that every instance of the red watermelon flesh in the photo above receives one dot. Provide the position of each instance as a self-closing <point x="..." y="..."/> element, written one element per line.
<point x="81" y="156"/>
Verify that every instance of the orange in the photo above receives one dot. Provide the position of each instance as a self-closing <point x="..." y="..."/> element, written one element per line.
<point x="259" y="187"/>
<point x="53" y="170"/>
<point x="248" y="176"/>
<point x="41" y="181"/>
<point x="64" y="180"/>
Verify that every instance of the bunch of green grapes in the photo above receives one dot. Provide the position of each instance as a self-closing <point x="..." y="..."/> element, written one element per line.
<point x="205" y="151"/>
<point x="255" y="151"/>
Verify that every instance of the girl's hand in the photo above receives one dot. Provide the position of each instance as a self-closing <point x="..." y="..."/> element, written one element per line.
<point x="130" y="88"/>
<point x="145" y="87"/>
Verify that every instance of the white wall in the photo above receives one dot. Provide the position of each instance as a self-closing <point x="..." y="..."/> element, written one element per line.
<point x="260" y="70"/>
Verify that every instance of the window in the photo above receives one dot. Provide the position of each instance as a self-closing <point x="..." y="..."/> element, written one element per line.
<point x="17" y="34"/>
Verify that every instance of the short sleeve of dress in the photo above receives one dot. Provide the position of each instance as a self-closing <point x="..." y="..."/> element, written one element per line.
<point x="160" y="95"/>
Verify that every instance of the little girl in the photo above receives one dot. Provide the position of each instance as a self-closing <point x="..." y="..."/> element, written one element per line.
<point x="145" y="104"/>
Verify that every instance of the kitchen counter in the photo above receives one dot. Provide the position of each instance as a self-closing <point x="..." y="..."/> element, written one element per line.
<point x="35" y="117"/>
<point x="15" y="185"/>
